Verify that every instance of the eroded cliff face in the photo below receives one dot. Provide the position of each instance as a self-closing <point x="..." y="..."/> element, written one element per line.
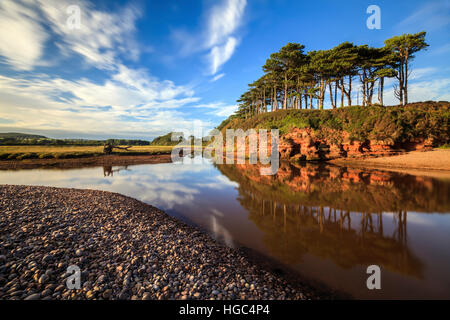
<point x="309" y="145"/>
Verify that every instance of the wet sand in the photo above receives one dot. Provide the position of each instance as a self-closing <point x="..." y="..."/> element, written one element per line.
<point x="434" y="163"/>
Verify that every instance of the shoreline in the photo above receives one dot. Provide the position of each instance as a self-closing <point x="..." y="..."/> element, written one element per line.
<point x="434" y="163"/>
<point x="126" y="249"/>
<point x="103" y="160"/>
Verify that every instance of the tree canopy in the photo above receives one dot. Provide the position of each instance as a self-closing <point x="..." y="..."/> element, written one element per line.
<point x="294" y="79"/>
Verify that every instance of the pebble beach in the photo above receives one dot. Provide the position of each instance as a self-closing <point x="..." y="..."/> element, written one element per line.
<point x="125" y="249"/>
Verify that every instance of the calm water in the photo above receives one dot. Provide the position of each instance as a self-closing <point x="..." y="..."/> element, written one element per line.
<point x="327" y="223"/>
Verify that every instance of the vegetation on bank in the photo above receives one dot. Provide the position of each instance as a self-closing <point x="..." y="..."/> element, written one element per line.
<point x="166" y="140"/>
<point x="294" y="79"/>
<point x="72" y="152"/>
<point x="395" y="124"/>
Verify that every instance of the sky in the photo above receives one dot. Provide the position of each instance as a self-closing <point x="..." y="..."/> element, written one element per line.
<point x="140" y="69"/>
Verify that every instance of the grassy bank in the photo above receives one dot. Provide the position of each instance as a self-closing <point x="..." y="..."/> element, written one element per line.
<point x="395" y="124"/>
<point x="72" y="152"/>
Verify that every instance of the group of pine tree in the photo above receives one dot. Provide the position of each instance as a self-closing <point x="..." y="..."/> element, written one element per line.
<point x="294" y="79"/>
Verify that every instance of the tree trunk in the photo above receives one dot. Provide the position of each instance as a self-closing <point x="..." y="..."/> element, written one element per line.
<point x="306" y="99"/>
<point x="275" y="101"/>
<point x="264" y="100"/>
<point x="322" y="93"/>
<point x="335" y="93"/>
<point x="406" y="80"/>
<point x="331" y="96"/>
<point x="349" y="97"/>
<point x="401" y="83"/>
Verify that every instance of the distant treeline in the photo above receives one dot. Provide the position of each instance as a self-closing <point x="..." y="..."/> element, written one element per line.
<point x="12" y="139"/>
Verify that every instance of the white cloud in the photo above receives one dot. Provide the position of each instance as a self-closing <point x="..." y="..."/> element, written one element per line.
<point x="217" y="77"/>
<point x="218" y="109"/>
<point x="101" y="37"/>
<point x="127" y="102"/>
<point x="223" y="22"/>
<point x="226" y="111"/>
<point x="419" y="73"/>
<point x="46" y="103"/>
<point x="22" y="37"/>
<point x="437" y="90"/>
<point x="224" y="19"/>
<point x="219" y="37"/>
<point x="221" y="54"/>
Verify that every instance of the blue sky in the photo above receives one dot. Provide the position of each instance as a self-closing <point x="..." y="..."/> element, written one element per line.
<point x="138" y="69"/>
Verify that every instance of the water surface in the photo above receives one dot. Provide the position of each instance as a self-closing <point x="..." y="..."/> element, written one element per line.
<point x="327" y="223"/>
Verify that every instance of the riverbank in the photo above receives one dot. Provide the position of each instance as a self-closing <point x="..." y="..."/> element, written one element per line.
<point x="434" y="163"/>
<point x="125" y="249"/>
<point x="101" y="160"/>
<point x="352" y="133"/>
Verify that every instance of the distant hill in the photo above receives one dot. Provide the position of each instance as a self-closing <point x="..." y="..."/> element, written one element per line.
<point x="20" y="136"/>
<point x="165" y="140"/>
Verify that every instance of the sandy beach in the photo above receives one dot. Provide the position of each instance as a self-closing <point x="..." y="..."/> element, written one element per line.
<point x="434" y="163"/>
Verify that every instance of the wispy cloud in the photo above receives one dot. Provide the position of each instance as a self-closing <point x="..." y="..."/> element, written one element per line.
<point x="432" y="15"/>
<point x="218" y="109"/>
<point x="226" y="111"/>
<point x="222" y="53"/>
<point x="437" y="90"/>
<point x="217" y="77"/>
<point x="22" y="37"/>
<point x="127" y="101"/>
<point x="101" y="37"/>
<point x="420" y="73"/>
<point x="225" y="18"/>
<point x="220" y="37"/>
<point x="32" y="104"/>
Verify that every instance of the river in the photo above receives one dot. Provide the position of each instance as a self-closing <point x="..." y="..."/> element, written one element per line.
<point x="327" y="223"/>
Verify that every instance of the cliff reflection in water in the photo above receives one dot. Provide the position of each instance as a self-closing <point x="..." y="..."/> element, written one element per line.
<point x="353" y="217"/>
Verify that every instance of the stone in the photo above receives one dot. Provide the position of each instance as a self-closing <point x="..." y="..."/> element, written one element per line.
<point x="34" y="296"/>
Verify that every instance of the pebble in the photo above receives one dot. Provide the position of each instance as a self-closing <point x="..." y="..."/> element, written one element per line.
<point x="35" y="296"/>
<point x="125" y="249"/>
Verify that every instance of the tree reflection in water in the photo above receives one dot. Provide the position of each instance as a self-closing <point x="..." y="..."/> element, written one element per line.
<point x="351" y="216"/>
